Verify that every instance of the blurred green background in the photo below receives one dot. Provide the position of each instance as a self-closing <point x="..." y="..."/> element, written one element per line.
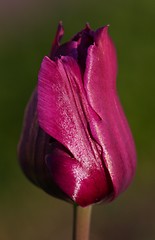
<point x="27" y="29"/>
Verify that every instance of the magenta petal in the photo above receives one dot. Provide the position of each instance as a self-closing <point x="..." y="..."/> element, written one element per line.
<point x="62" y="113"/>
<point x="57" y="110"/>
<point x="71" y="176"/>
<point x="112" y="132"/>
<point x="67" y="49"/>
<point x="56" y="42"/>
<point x="101" y="69"/>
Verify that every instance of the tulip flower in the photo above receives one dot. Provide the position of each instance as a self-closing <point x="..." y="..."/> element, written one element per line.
<point x="76" y="143"/>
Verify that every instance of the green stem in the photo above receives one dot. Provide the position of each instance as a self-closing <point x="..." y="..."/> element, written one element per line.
<point x="81" y="224"/>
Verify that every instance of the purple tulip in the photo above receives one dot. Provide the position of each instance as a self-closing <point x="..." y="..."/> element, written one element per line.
<point x="82" y="149"/>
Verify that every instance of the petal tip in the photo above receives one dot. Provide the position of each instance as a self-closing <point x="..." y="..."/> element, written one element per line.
<point x="57" y="39"/>
<point x="103" y="30"/>
<point x="88" y="26"/>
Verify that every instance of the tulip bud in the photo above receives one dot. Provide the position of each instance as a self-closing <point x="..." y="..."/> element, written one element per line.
<point x="76" y="143"/>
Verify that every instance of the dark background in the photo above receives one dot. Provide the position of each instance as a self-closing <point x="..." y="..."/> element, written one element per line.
<point x="26" y="30"/>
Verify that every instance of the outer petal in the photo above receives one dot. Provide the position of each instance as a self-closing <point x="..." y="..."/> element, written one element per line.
<point x="112" y="132"/>
<point x="34" y="145"/>
<point x="62" y="114"/>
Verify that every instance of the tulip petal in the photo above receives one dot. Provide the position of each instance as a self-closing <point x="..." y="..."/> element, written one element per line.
<point x="112" y="132"/>
<point x="62" y="114"/>
<point x="56" y="42"/>
<point x="66" y="49"/>
<point x="33" y="146"/>
<point x="73" y="179"/>
<point x="57" y="95"/>
<point x="101" y="69"/>
<point x="86" y="39"/>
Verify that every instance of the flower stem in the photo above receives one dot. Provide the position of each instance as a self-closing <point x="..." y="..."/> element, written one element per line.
<point x="81" y="224"/>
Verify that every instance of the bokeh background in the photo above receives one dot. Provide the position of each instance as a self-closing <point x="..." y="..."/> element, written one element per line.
<point x="27" y="28"/>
